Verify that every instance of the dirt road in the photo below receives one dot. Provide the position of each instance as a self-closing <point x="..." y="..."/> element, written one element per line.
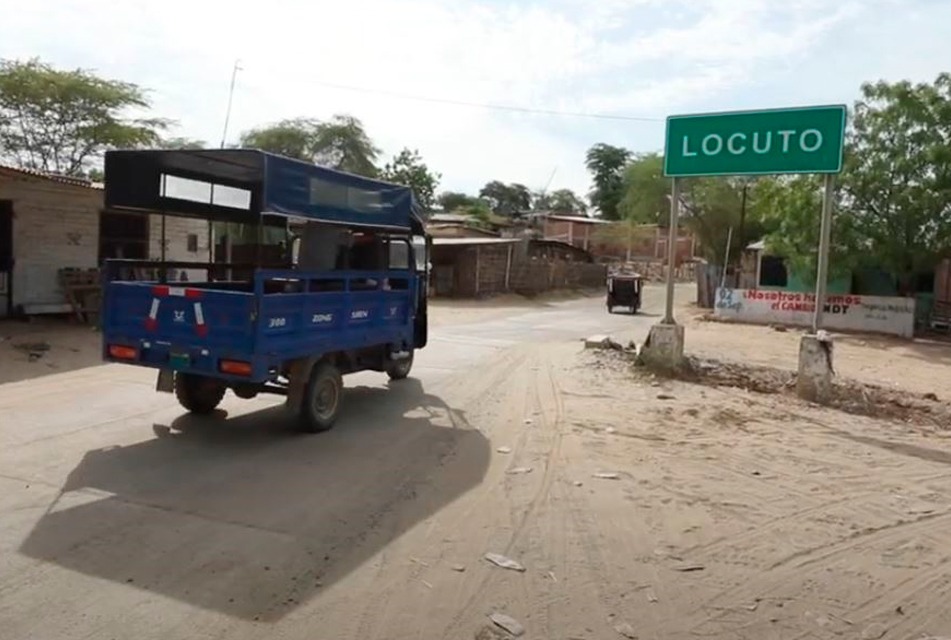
<point x="719" y="514"/>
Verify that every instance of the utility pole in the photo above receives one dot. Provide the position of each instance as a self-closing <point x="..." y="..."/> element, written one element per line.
<point x="224" y="138"/>
<point x="234" y="75"/>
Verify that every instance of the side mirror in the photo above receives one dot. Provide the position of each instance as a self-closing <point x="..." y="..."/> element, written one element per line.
<point x="421" y="254"/>
<point x="294" y="241"/>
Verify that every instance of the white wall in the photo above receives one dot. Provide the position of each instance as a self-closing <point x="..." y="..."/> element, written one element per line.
<point x="873" y="314"/>
<point x="177" y="231"/>
<point x="56" y="226"/>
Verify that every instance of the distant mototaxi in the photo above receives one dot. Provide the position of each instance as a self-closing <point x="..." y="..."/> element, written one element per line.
<point x="624" y="290"/>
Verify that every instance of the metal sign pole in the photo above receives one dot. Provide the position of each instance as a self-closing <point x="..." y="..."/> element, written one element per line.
<point x="825" y="234"/>
<point x="672" y="249"/>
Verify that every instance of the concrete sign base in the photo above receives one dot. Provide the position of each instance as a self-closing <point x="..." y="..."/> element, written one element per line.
<point x="664" y="347"/>
<point x="815" y="368"/>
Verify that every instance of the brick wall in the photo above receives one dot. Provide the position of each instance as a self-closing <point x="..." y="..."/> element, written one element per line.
<point x="481" y="271"/>
<point x="649" y="242"/>
<point x="56" y="226"/>
<point x="579" y="234"/>
<point x="538" y="276"/>
<point x="685" y="248"/>
<point x="492" y="266"/>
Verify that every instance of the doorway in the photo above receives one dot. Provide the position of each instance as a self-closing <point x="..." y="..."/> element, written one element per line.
<point x="6" y="257"/>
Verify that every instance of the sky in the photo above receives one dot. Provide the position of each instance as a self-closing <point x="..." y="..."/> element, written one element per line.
<point x="419" y="73"/>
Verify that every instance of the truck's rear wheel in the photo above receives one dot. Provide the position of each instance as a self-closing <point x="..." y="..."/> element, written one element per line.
<point x="321" y="404"/>
<point x="198" y="394"/>
<point x="399" y="369"/>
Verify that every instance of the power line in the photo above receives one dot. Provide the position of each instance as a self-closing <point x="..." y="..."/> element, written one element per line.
<point x="486" y="105"/>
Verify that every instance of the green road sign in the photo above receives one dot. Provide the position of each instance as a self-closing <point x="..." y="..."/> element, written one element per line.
<point x="800" y="140"/>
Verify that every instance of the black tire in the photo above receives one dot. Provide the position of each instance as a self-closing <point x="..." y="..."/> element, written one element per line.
<point x="399" y="369"/>
<point x="200" y="395"/>
<point x="322" y="398"/>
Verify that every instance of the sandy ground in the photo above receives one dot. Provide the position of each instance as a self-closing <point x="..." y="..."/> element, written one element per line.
<point x="634" y="507"/>
<point x="919" y="365"/>
<point x="739" y="515"/>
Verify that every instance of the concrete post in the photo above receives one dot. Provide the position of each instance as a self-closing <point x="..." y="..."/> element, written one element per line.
<point x="664" y="347"/>
<point x="815" y="351"/>
<point x="825" y="234"/>
<point x="672" y="250"/>
<point x="814" y="382"/>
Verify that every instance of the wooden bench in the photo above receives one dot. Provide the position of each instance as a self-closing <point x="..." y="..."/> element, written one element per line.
<point x="83" y="289"/>
<point x="941" y="315"/>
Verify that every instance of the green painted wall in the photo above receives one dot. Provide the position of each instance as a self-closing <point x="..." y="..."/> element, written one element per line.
<point x="796" y="283"/>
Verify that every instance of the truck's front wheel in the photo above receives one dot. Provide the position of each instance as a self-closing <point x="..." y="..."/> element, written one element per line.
<point x="198" y="394"/>
<point x="321" y="404"/>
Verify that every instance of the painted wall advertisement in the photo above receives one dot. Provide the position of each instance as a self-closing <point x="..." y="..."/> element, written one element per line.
<point x="872" y="314"/>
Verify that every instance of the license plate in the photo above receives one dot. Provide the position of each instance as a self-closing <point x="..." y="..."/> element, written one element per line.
<point x="179" y="361"/>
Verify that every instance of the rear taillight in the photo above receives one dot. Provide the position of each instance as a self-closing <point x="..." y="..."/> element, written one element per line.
<point x="120" y="352"/>
<point x="235" y="367"/>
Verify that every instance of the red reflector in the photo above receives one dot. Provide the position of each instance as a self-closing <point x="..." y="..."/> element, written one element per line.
<point x="235" y="367"/>
<point x="120" y="352"/>
<point x="193" y="294"/>
<point x="160" y="291"/>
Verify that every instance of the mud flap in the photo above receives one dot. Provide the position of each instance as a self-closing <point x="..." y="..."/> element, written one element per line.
<point x="299" y="376"/>
<point x="166" y="381"/>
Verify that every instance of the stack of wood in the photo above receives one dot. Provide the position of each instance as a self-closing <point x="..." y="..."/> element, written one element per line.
<point x="83" y="289"/>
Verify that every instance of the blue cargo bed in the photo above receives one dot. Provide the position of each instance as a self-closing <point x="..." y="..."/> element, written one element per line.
<point x="284" y="316"/>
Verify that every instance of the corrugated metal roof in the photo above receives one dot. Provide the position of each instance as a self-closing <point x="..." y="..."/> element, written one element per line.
<point x="584" y="220"/>
<point x="437" y="218"/>
<point x="52" y="177"/>
<point x="473" y="241"/>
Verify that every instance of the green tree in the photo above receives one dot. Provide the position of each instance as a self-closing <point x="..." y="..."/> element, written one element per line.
<point x="506" y="199"/>
<point x="711" y="207"/>
<point x="541" y="201"/>
<point x="478" y="211"/>
<point x="340" y="143"/>
<point x="606" y="164"/>
<point x="451" y="200"/>
<point x="646" y="192"/>
<point x="63" y="121"/>
<point x="624" y="235"/>
<point x="295" y="138"/>
<point x="408" y="168"/>
<point x="343" y="143"/>
<point x="790" y="209"/>
<point x="897" y="179"/>
<point x="565" y="201"/>
<point x="179" y="142"/>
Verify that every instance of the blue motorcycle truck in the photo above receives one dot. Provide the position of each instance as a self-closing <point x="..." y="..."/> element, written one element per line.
<point x="313" y="274"/>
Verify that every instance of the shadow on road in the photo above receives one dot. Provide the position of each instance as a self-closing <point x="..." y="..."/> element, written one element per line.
<point x="243" y="516"/>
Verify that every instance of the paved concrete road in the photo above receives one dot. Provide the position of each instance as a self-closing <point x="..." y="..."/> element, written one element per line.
<point x="121" y="517"/>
